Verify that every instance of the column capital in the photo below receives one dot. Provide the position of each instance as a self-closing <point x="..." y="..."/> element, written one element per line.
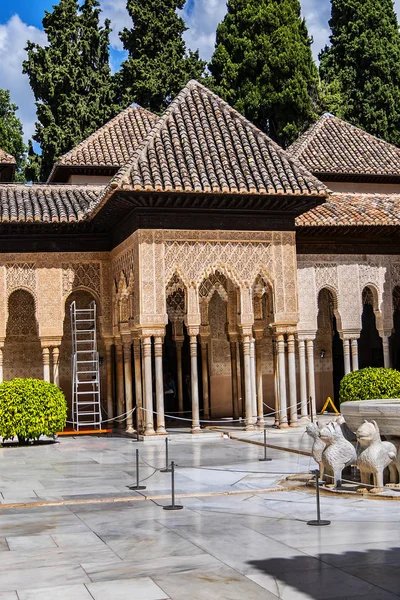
<point x="193" y="331"/>
<point x="46" y="355"/>
<point x="350" y="335"/>
<point x="305" y="336"/>
<point x="47" y="342"/>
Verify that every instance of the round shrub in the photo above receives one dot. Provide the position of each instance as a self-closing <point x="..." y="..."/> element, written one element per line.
<point x="369" y="384"/>
<point x="30" y="408"/>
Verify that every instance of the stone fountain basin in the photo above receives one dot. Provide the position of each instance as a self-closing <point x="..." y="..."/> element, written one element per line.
<point x="386" y="412"/>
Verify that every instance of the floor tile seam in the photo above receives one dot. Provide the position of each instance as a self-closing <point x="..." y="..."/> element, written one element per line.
<point x="342" y="570"/>
<point x="119" y="499"/>
<point x="219" y="560"/>
<point x="378" y="587"/>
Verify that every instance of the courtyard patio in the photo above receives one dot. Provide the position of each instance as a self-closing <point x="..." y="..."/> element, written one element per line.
<point x="71" y="529"/>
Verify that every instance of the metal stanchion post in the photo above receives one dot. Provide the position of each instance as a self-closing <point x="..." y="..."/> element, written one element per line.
<point x="265" y="449"/>
<point x="318" y="522"/>
<point x="137" y="486"/>
<point x="173" y="506"/>
<point x="311" y="409"/>
<point x="167" y="469"/>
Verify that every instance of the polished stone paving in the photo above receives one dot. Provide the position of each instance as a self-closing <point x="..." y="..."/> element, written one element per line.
<point x="247" y="545"/>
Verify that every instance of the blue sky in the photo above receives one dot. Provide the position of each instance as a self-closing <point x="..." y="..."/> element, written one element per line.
<point x="21" y="20"/>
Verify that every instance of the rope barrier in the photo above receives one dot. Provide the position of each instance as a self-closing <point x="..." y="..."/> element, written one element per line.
<point x="130" y="412"/>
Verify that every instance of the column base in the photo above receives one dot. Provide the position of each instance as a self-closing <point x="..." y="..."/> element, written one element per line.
<point x="149" y="432"/>
<point x="250" y="427"/>
<point x="294" y="425"/>
<point x="304" y="419"/>
<point x="283" y="426"/>
<point x="260" y="423"/>
<point x="130" y="429"/>
<point x="161" y="431"/>
<point x="196" y="430"/>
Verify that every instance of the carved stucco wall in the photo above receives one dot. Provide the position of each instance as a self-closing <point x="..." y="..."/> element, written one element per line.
<point x="346" y="277"/>
<point x="48" y="279"/>
<point x="154" y="256"/>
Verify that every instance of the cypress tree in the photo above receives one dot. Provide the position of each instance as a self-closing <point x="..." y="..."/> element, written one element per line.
<point x="11" y="140"/>
<point x="70" y="78"/>
<point x="361" y="68"/>
<point x="263" y="66"/>
<point x="158" y="63"/>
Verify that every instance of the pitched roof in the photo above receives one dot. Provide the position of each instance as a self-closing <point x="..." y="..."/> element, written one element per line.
<point x="113" y="144"/>
<point x="201" y="144"/>
<point x="354" y="210"/>
<point x="6" y="159"/>
<point x="334" y="146"/>
<point x="43" y="203"/>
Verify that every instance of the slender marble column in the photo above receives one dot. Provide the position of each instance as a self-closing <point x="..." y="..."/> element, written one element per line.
<point x="204" y="371"/>
<point x="46" y="364"/>
<point x="292" y="381"/>
<point x="303" y="380"/>
<point x="346" y="354"/>
<point x="386" y="352"/>
<point x="276" y="383"/>
<point x="56" y="365"/>
<point x="179" y="344"/>
<point x="311" y="375"/>
<point x="259" y="377"/>
<point x="248" y="384"/>
<point x="195" y="385"/>
<point x="283" y="420"/>
<point x="110" y="407"/>
<point x="242" y="403"/>
<point x="148" y="387"/>
<point x="234" y="377"/>
<point x="128" y="387"/>
<point x="354" y="354"/>
<point x="158" y="342"/>
<point x="253" y="379"/>
<point x="138" y="383"/>
<point x="119" y="371"/>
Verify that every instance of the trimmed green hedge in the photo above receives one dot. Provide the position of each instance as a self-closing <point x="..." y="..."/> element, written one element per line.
<point x="30" y="408"/>
<point x="370" y="383"/>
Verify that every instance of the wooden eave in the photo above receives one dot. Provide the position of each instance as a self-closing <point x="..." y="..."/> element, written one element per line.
<point x="326" y="177"/>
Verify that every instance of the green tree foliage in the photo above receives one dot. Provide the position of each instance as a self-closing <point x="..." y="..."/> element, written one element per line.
<point x="70" y="78"/>
<point x="30" y="408"/>
<point x="11" y="132"/>
<point x="33" y="164"/>
<point x="361" y="68"/>
<point x="263" y="66"/>
<point x="369" y="384"/>
<point x="158" y="63"/>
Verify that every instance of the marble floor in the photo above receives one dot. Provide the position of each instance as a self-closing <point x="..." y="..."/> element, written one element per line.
<point x="63" y="535"/>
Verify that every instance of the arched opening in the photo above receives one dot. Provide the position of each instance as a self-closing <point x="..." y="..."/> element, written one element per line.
<point x="22" y="353"/>
<point x="370" y="349"/>
<point x="329" y="359"/>
<point x="83" y="298"/>
<point x="263" y="306"/>
<point x="176" y="355"/>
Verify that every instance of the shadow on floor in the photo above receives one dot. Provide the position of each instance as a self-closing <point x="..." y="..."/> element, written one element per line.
<point x="335" y="576"/>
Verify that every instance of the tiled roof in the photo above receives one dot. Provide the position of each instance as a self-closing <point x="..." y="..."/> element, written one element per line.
<point x="6" y="159"/>
<point x="113" y="144"/>
<point x="334" y="146"/>
<point x="202" y="145"/>
<point x="352" y="210"/>
<point x="46" y="203"/>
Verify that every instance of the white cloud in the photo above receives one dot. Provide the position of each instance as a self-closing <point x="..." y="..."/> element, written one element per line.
<point x="115" y="10"/>
<point x="202" y="21"/>
<point x="13" y="38"/>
